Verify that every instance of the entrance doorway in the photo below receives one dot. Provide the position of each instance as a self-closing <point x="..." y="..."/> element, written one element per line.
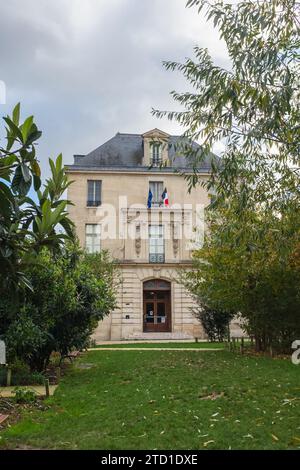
<point x="157" y="306"/>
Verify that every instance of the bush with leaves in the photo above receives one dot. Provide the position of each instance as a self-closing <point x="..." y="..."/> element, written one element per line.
<point x="252" y="107"/>
<point x="249" y="264"/>
<point x="52" y="295"/>
<point x="25" y="396"/>
<point x="72" y="293"/>
<point x="21" y="375"/>
<point x="215" y="322"/>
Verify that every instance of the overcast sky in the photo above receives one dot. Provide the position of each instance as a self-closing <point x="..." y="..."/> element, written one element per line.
<point x="87" y="69"/>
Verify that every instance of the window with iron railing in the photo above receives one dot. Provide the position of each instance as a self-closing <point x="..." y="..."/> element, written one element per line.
<point x="94" y="193"/>
<point x="156" y="244"/>
<point x="156" y="188"/>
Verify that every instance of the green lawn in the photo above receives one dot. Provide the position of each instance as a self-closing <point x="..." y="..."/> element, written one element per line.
<point x="163" y="400"/>
<point x="170" y="344"/>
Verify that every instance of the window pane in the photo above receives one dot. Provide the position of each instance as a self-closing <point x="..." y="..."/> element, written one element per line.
<point x="92" y="237"/>
<point x="156" y="153"/>
<point x="156" y="231"/>
<point x="161" y="295"/>
<point x="94" y="193"/>
<point x="88" y="245"/>
<point x="149" y="312"/>
<point x="98" y="191"/>
<point x="89" y="228"/>
<point x="90" y="191"/>
<point x="149" y="284"/>
<point x="97" y="229"/>
<point x="156" y="244"/>
<point x="157" y="188"/>
<point x="161" y="309"/>
<point x="149" y="295"/>
<point x="163" y="284"/>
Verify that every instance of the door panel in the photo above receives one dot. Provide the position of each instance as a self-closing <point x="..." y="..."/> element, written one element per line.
<point x="149" y="314"/>
<point x="157" y="312"/>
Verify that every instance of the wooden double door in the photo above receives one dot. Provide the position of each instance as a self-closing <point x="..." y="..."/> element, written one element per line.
<point x="157" y="309"/>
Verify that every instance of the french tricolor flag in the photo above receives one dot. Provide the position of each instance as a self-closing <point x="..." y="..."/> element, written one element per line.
<point x="165" y="198"/>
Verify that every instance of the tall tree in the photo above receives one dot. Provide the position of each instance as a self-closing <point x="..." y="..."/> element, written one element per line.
<point x="28" y="224"/>
<point x="253" y="106"/>
<point x="249" y="265"/>
<point x="249" y="262"/>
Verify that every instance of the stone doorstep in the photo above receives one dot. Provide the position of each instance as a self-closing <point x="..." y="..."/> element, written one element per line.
<point x="173" y="336"/>
<point x="9" y="392"/>
<point x="147" y="341"/>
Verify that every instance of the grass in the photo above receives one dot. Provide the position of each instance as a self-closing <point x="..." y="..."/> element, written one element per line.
<point x="167" y="400"/>
<point x="186" y="345"/>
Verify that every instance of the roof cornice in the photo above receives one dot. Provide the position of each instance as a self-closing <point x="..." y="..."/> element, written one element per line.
<point x="128" y="170"/>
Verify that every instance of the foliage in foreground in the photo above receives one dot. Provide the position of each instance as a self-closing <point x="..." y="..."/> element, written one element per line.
<point x="60" y="313"/>
<point x="250" y="264"/>
<point x="252" y="107"/>
<point x="52" y="296"/>
<point x="27" y="224"/>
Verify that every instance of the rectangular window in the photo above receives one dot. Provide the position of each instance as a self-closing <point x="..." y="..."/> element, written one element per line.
<point x="157" y="188"/>
<point x="94" y="193"/>
<point x="156" y="154"/>
<point x="156" y="244"/>
<point x="92" y="238"/>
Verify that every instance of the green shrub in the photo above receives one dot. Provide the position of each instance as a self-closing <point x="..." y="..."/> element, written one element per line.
<point x="215" y="322"/>
<point x="71" y="294"/>
<point x="21" y="375"/>
<point x="24" y="337"/>
<point x="25" y="396"/>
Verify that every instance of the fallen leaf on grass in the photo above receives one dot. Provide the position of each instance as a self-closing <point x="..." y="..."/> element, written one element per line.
<point x="295" y="440"/>
<point x="207" y="443"/>
<point x="288" y="401"/>
<point x="212" y="396"/>
<point x="275" y="438"/>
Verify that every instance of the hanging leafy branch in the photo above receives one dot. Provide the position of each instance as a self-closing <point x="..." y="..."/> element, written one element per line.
<point x="26" y="225"/>
<point x="253" y="107"/>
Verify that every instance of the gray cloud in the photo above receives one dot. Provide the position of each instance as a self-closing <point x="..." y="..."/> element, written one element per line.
<point x="89" y="68"/>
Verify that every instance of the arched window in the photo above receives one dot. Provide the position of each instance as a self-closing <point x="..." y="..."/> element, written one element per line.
<point x="157" y="284"/>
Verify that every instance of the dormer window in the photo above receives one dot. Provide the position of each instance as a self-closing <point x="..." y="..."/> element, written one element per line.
<point x="156" y="154"/>
<point x="155" y="144"/>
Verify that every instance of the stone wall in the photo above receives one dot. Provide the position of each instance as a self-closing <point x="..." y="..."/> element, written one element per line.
<point x="130" y="302"/>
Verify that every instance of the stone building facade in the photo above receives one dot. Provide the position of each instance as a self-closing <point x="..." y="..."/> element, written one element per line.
<point x="119" y="196"/>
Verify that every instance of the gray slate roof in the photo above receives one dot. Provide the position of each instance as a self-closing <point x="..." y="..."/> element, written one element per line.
<point x="125" y="151"/>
